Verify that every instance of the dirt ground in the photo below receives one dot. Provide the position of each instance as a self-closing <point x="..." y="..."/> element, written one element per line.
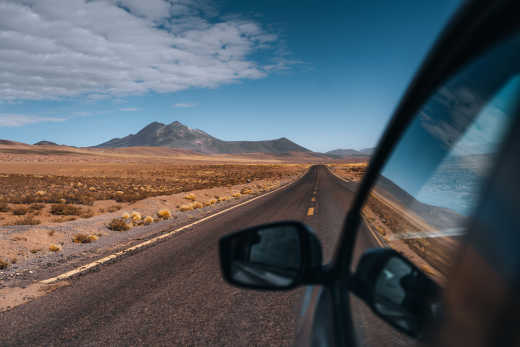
<point x="57" y="202"/>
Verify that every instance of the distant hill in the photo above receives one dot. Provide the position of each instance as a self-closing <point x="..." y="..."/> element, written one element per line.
<point x="178" y="135"/>
<point x="12" y="143"/>
<point x="368" y="151"/>
<point x="45" y="143"/>
<point x="342" y="153"/>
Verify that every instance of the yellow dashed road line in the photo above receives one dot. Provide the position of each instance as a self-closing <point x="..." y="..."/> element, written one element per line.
<point x="310" y="211"/>
<point x="313" y="199"/>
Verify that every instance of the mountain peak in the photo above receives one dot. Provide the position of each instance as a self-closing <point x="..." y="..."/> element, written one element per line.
<point x="178" y="135"/>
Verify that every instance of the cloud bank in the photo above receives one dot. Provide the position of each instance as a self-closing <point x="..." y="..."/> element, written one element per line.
<point x="17" y="120"/>
<point x="110" y="48"/>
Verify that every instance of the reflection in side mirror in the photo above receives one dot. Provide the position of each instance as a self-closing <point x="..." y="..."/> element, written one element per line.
<point x="272" y="256"/>
<point x="397" y="291"/>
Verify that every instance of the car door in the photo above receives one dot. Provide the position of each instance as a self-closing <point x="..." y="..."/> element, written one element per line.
<point x="431" y="166"/>
<point x="415" y="202"/>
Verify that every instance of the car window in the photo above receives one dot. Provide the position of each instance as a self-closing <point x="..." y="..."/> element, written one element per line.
<point x="428" y="187"/>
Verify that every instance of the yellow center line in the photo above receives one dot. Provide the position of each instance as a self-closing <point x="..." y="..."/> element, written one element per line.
<point x="310" y="211"/>
<point x="313" y="199"/>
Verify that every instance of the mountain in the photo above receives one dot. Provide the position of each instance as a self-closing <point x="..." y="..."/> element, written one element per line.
<point x="178" y="135"/>
<point x="45" y="143"/>
<point x="367" y="151"/>
<point x="342" y="153"/>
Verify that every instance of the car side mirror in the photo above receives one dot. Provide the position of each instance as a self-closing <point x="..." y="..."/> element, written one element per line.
<point x="397" y="291"/>
<point x="276" y="256"/>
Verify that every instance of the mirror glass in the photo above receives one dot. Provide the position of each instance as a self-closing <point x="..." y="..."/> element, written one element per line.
<point x="405" y="296"/>
<point x="266" y="257"/>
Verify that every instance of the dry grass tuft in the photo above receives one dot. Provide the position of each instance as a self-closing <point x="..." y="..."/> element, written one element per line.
<point x="4" y="207"/>
<point x="246" y="190"/>
<point x="54" y="248"/>
<point x="20" y="211"/>
<point x="29" y="220"/>
<point x="236" y="195"/>
<point x="118" y="224"/>
<point x="164" y="214"/>
<point x="51" y="232"/>
<point x="80" y="238"/>
<point x="187" y="207"/>
<point x="136" y="216"/>
<point x="87" y="214"/>
<point x="65" y="210"/>
<point x="148" y="220"/>
<point x="125" y="215"/>
<point x="93" y="238"/>
<point x="190" y="196"/>
<point x="197" y="204"/>
<point x="113" y="208"/>
<point x="36" y="207"/>
<point x="35" y="250"/>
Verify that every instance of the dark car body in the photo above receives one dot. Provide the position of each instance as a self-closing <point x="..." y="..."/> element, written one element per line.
<point x="479" y="300"/>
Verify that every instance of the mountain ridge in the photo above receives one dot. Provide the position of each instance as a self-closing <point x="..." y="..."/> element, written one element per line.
<point x="178" y="135"/>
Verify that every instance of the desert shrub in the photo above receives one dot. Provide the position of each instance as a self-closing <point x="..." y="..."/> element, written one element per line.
<point x="125" y="215"/>
<point x="80" y="238"/>
<point x="4" y="207"/>
<point x="118" y="224"/>
<point x="36" y="207"/>
<point x="93" y="238"/>
<point x="54" y="248"/>
<point x="87" y="214"/>
<point x="20" y="211"/>
<point x="29" y="220"/>
<point x="148" y="220"/>
<point x="3" y="264"/>
<point x="14" y="260"/>
<point x="65" y="210"/>
<point x="114" y="208"/>
<point x="51" y="232"/>
<point x="63" y="219"/>
<point x="246" y="190"/>
<point x="186" y="207"/>
<point x="136" y="216"/>
<point x="35" y="250"/>
<point x="164" y="214"/>
<point x="197" y="204"/>
<point x="190" y="196"/>
<point x="236" y="195"/>
<point x="213" y="201"/>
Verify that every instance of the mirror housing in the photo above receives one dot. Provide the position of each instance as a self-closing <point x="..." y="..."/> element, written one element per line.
<point x="274" y="256"/>
<point x="397" y="291"/>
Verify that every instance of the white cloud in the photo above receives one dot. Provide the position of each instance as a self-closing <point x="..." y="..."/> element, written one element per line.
<point x="128" y="109"/>
<point x="112" y="48"/>
<point x="184" y="105"/>
<point x="16" y="120"/>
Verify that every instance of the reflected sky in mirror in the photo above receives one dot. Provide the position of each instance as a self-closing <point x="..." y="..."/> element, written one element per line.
<point x="446" y="152"/>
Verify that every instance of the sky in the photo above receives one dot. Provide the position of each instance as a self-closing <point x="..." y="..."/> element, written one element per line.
<point x="326" y="75"/>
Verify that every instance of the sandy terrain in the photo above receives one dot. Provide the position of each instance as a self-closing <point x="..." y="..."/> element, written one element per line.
<point x="27" y="248"/>
<point x="52" y="196"/>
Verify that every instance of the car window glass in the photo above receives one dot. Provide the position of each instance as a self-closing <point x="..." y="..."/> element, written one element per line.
<point x="431" y="182"/>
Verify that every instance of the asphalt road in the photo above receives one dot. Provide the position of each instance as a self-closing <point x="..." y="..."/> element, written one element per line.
<point x="172" y="293"/>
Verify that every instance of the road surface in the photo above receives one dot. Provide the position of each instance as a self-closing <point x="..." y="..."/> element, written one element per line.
<point x="172" y="293"/>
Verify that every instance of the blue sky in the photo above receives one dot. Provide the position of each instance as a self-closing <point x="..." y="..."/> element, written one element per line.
<point x="326" y="75"/>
